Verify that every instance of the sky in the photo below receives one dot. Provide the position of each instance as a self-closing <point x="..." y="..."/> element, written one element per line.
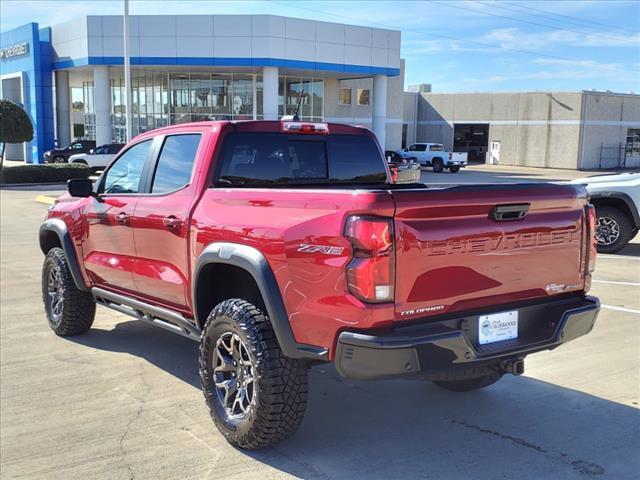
<point x="455" y="45"/>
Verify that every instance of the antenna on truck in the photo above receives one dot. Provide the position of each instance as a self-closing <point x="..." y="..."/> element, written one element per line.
<point x="295" y="117"/>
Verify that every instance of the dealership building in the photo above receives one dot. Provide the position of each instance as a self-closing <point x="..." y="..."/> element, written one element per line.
<point x="70" y="79"/>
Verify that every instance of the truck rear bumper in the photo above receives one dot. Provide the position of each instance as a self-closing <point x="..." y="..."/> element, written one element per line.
<point x="434" y="347"/>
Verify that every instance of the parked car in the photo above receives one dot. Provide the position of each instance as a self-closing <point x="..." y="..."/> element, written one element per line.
<point x="61" y="155"/>
<point x="403" y="170"/>
<point x="98" y="158"/>
<point x="434" y="155"/>
<point x="281" y="245"/>
<point x="617" y="201"/>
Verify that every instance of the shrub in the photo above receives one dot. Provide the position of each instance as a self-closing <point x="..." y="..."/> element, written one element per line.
<point x="49" y="173"/>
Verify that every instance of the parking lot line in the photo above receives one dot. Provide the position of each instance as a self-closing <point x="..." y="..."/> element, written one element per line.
<point x="619" y="309"/>
<point x="633" y="284"/>
<point x="45" y="199"/>
<point x="617" y="257"/>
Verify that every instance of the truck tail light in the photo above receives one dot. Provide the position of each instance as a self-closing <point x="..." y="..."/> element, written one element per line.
<point x="371" y="271"/>
<point x="450" y="156"/>
<point x="302" y="127"/>
<point x="590" y="249"/>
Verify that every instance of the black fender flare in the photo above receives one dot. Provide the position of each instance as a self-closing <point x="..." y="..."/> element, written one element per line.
<point x="252" y="261"/>
<point x="59" y="228"/>
<point x="624" y="198"/>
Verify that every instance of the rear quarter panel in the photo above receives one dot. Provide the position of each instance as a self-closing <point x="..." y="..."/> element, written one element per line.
<point x="277" y="222"/>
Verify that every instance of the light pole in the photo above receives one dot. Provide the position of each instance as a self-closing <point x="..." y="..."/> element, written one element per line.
<point x="127" y="73"/>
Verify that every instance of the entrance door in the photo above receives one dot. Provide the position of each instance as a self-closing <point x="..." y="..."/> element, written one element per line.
<point x="109" y="251"/>
<point x="495" y="152"/>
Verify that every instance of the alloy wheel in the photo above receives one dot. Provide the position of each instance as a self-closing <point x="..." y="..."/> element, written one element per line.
<point x="234" y="376"/>
<point x="607" y="231"/>
<point x="55" y="293"/>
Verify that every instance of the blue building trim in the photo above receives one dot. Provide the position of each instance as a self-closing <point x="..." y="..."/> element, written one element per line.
<point x="229" y="62"/>
<point x="35" y="72"/>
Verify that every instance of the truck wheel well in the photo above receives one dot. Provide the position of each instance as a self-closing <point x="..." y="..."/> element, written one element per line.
<point x="51" y="240"/>
<point x="218" y="282"/>
<point x="612" y="202"/>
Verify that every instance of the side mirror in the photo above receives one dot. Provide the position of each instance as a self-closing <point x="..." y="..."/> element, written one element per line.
<point x="405" y="149"/>
<point x="92" y="151"/>
<point x="80" y="187"/>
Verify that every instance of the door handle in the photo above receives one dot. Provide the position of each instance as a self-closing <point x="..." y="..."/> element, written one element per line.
<point x="122" y="218"/>
<point x="505" y="213"/>
<point x="171" y="222"/>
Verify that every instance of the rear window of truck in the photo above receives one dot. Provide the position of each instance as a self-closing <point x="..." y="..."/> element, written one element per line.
<point x="274" y="159"/>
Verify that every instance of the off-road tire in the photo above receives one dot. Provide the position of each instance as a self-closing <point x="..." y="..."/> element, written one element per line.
<point x="280" y="395"/>
<point x="454" y="169"/>
<point x="438" y="165"/>
<point x="470" y="384"/>
<point x="78" y="307"/>
<point x="625" y="226"/>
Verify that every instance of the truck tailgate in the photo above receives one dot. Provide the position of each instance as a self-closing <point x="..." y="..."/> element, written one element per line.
<point x="454" y="253"/>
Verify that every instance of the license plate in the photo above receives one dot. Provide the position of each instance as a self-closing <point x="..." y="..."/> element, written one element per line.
<point x="497" y="327"/>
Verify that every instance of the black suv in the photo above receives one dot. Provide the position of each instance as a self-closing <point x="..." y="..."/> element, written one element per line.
<point x="61" y="155"/>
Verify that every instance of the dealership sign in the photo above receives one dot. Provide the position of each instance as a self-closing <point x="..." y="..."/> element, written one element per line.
<point x="16" y="50"/>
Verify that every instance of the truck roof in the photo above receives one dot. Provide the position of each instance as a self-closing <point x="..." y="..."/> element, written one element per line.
<point x="260" y="126"/>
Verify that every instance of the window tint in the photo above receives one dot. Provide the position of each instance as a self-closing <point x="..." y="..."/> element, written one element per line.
<point x="175" y="163"/>
<point x="355" y="159"/>
<point x="436" y="148"/>
<point x="115" y="148"/>
<point x="307" y="159"/>
<point x="124" y="175"/>
<point x="101" y="150"/>
<point x="267" y="158"/>
<point x="421" y="148"/>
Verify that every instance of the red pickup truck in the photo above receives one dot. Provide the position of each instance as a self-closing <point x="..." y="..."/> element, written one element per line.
<point x="279" y="245"/>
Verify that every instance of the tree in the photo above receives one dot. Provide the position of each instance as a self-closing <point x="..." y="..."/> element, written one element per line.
<point x="15" y="126"/>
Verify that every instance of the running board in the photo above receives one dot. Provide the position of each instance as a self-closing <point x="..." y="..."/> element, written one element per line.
<point x="158" y="316"/>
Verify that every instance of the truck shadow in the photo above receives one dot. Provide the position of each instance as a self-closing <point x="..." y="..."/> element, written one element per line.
<point x="518" y="428"/>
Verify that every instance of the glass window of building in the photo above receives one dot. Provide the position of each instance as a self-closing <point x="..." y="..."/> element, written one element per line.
<point x="221" y="93"/>
<point x="309" y="91"/>
<point x="344" y="96"/>
<point x="201" y="96"/>
<point x="243" y="97"/>
<point x="363" y="96"/>
<point x="317" y="93"/>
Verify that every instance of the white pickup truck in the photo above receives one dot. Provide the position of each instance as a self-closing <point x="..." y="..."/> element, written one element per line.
<point x="434" y="155"/>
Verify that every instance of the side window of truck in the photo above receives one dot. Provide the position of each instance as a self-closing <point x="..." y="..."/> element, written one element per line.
<point x="124" y="175"/>
<point x="175" y="163"/>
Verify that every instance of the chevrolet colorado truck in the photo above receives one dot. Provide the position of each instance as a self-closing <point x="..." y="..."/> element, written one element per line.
<point x="280" y="245"/>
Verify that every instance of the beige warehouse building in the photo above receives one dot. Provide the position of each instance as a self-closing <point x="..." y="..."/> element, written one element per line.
<point x="576" y="130"/>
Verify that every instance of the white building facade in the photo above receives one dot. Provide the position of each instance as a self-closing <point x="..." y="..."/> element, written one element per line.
<point x="205" y="67"/>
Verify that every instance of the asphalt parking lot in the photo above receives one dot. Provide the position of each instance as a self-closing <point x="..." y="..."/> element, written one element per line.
<point x="124" y="401"/>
